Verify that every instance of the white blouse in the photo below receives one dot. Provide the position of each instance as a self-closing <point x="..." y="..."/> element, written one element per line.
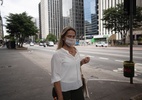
<point x="66" y="69"/>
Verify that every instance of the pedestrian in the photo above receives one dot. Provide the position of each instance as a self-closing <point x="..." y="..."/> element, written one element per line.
<point x="65" y="67"/>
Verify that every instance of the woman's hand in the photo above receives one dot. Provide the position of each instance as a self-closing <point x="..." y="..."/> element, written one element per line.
<point x="85" y="60"/>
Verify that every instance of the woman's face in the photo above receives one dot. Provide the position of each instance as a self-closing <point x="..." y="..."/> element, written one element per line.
<point x="69" y="38"/>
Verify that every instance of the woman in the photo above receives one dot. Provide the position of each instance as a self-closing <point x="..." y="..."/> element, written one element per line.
<point x="65" y="67"/>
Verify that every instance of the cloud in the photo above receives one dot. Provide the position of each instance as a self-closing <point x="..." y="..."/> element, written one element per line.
<point x="20" y="6"/>
<point x="67" y="5"/>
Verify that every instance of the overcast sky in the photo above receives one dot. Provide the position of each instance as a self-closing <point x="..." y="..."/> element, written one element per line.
<point x="67" y="5"/>
<point x="20" y="6"/>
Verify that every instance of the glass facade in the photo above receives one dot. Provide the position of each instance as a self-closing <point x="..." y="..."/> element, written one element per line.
<point x="90" y="17"/>
<point x="73" y="15"/>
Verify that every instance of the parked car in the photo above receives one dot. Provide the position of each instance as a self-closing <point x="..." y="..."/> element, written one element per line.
<point x="50" y="43"/>
<point x="31" y="44"/>
<point x="101" y="44"/>
<point x="41" y="44"/>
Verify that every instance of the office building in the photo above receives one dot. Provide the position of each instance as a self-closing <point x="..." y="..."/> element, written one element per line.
<point x="103" y="5"/>
<point x="66" y="21"/>
<point x="1" y="30"/>
<point x="50" y="12"/>
<point x="73" y="10"/>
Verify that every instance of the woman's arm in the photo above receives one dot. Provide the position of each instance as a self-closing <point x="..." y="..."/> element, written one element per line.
<point x="57" y="86"/>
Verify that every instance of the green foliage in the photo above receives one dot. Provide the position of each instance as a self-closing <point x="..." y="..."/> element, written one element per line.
<point x="11" y="38"/>
<point x="51" y="37"/>
<point x="20" y="26"/>
<point x="37" y="40"/>
<point x="116" y="20"/>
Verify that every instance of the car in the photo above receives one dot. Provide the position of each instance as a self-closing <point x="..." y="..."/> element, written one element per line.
<point x="50" y="43"/>
<point x="101" y="44"/>
<point x="31" y="44"/>
<point x="41" y="44"/>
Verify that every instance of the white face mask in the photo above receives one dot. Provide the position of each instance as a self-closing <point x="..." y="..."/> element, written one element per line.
<point x="70" y="41"/>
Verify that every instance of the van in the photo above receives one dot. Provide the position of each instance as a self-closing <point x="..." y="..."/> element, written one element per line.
<point x="101" y="44"/>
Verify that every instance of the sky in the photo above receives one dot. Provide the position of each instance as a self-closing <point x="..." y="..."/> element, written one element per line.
<point x="67" y="5"/>
<point x="19" y="6"/>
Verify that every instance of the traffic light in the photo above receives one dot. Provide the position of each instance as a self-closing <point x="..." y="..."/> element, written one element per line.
<point x="127" y="6"/>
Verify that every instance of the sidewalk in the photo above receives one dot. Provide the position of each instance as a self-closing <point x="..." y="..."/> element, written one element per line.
<point x="21" y="79"/>
<point x="113" y="90"/>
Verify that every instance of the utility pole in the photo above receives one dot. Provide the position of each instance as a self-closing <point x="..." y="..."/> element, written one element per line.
<point x="131" y="35"/>
<point x="130" y="10"/>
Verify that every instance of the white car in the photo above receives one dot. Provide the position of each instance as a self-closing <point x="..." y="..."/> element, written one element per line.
<point x="101" y="44"/>
<point x="50" y="43"/>
<point x="41" y="44"/>
<point x="31" y="44"/>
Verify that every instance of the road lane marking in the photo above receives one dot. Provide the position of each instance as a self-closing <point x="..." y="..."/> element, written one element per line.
<point x="115" y="55"/>
<point x="139" y="64"/>
<point x="90" y="56"/>
<point x="119" y="60"/>
<point x="82" y="55"/>
<point x="87" y="55"/>
<point x="103" y="58"/>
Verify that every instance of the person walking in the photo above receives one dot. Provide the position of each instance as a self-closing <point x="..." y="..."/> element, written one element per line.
<point x="65" y="67"/>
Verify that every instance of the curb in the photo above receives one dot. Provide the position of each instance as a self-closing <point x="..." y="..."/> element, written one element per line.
<point x="23" y="48"/>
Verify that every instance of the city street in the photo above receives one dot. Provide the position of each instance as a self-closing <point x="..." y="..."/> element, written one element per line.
<point x="25" y="74"/>
<point x="106" y="62"/>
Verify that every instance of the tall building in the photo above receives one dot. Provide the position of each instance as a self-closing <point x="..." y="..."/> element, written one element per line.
<point x="90" y="17"/>
<point x="1" y="30"/>
<point x="73" y="9"/>
<point x="66" y="21"/>
<point x="43" y="18"/>
<point x="103" y="5"/>
<point x="50" y="17"/>
<point x="1" y="27"/>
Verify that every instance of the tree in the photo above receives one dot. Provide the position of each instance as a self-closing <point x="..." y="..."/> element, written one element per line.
<point x="51" y="37"/>
<point x="20" y="26"/>
<point x="115" y="19"/>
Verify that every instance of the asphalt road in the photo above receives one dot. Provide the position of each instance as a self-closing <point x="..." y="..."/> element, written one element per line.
<point x="109" y="59"/>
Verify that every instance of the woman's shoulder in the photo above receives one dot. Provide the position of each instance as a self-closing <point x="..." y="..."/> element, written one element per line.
<point x="58" y="51"/>
<point x="57" y="54"/>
